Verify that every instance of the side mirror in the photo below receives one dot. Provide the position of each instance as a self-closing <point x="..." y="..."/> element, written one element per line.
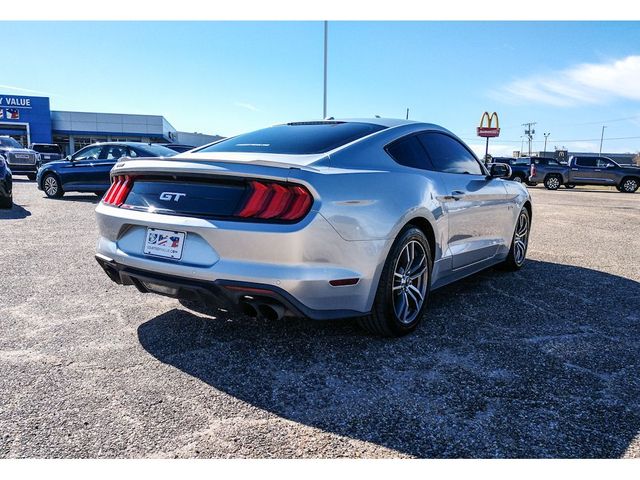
<point x="499" y="170"/>
<point x="68" y="158"/>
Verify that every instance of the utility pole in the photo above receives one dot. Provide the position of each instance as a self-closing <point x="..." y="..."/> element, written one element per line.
<point x="521" y="144"/>
<point x="546" y="135"/>
<point x="407" y="114"/>
<point x="326" y="36"/>
<point x="602" y="138"/>
<point x="529" y="132"/>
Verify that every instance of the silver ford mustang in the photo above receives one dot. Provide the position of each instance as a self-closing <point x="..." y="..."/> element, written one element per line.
<point x="323" y="219"/>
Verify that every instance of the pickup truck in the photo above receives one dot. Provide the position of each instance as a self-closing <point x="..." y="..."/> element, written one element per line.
<point x="49" y="152"/>
<point x="587" y="171"/>
<point x="520" y="168"/>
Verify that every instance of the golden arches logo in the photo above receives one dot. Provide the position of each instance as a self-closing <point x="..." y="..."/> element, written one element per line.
<point x="490" y="119"/>
<point x="487" y="128"/>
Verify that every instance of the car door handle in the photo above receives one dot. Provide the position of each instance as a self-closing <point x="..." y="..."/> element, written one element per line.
<point x="457" y="195"/>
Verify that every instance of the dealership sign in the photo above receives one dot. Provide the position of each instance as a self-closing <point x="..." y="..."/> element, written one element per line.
<point x="20" y="102"/>
<point x="25" y="115"/>
<point x="13" y="106"/>
<point x="487" y="128"/>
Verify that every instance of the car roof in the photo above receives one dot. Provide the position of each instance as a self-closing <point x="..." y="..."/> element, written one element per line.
<point x="174" y="144"/>
<point x="130" y="144"/>
<point x="384" y="122"/>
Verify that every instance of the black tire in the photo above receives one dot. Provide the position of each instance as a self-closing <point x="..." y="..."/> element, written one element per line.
<point x="629" y="185"/>
<point x="31" y="176"/>
<point x="51" y="186"/>
<point x="569" y="186"/>
<point x="6" y="202"/>
<point x="552" y="182"/>
<point x="383" y="319"/>
<point x="518" y="179"/>
<point x="515" y="259"/>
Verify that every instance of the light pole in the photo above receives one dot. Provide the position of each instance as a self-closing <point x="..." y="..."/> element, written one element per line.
<point x="326" y="36"/>
<point x="546" y="135"/>
<point x="601" y="139"/>
<point x="521" y="144"/>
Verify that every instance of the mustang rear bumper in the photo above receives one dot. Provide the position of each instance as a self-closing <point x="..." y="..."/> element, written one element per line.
<point x="225" y="294"/>
<point x="300" y="259"/>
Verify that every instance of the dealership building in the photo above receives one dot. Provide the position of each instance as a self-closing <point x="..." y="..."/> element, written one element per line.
<point x="30" y="120"/>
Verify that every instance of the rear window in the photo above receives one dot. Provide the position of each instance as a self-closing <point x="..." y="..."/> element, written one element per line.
<point x="155" y="151"/>
<point x="296" y="138"/>
<point x="40" y="148"/>
<point x="586" y="161"/>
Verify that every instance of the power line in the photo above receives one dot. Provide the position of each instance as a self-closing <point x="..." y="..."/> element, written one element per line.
<point x="561" y="140"/>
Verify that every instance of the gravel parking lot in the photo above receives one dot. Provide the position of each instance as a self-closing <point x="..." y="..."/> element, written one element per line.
<point x="541" y="363"/>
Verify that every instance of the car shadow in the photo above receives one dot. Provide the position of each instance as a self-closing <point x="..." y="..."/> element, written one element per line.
<point x="538" y="363"/>
<point x="86" y="198"/>
<point x="16" y="212"/>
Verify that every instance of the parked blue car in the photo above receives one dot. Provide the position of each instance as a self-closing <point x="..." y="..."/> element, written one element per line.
<point x="6" y="183"/>
<point x="88" y="169"/>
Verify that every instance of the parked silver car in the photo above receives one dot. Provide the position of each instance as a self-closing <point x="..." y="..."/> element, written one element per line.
<point x="323" y="219"/>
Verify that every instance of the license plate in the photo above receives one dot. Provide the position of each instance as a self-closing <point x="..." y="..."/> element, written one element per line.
<point x="164" y="243"/>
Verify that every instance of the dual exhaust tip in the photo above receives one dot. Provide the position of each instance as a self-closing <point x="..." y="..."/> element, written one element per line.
<point x="271" y="311"/>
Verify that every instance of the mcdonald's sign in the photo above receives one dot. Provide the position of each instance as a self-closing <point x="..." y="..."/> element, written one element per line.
<point x="487" y="128"/>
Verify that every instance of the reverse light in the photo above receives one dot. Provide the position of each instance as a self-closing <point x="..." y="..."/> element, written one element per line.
<point x="276" y="201"/>
<point x="118" y="191"/>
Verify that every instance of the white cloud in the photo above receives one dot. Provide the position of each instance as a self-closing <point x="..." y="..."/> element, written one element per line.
<point x="247" y="106"/>
<point x="24" y="90"/>
<point x="593" y="83"/>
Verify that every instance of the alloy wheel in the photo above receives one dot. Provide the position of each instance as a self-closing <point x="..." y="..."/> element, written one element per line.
<point x="630" y="185"/>
<point x="51" y="186"/>
<point x="521" y="238"/>
<point x="553" y="183"/>
<point x="410" y="277"/>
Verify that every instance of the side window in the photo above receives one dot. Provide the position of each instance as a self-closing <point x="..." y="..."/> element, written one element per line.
<point x="586" y="161"/>
<point x="448" y="155"/>
<point x="114" y="152"/>
<point x="604" y="163"/>
<point x="409" y="152"/>
<point x="89" y="153"/>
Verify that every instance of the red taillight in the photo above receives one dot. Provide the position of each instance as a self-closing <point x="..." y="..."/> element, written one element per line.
<point x="257" y="200"/>
<point x="300" y="204"/>
<point x="118" y="191"/>
<point x="275" y="201"/>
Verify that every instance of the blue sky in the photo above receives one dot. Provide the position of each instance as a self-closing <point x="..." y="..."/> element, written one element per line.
<point x="228" y="77"/>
